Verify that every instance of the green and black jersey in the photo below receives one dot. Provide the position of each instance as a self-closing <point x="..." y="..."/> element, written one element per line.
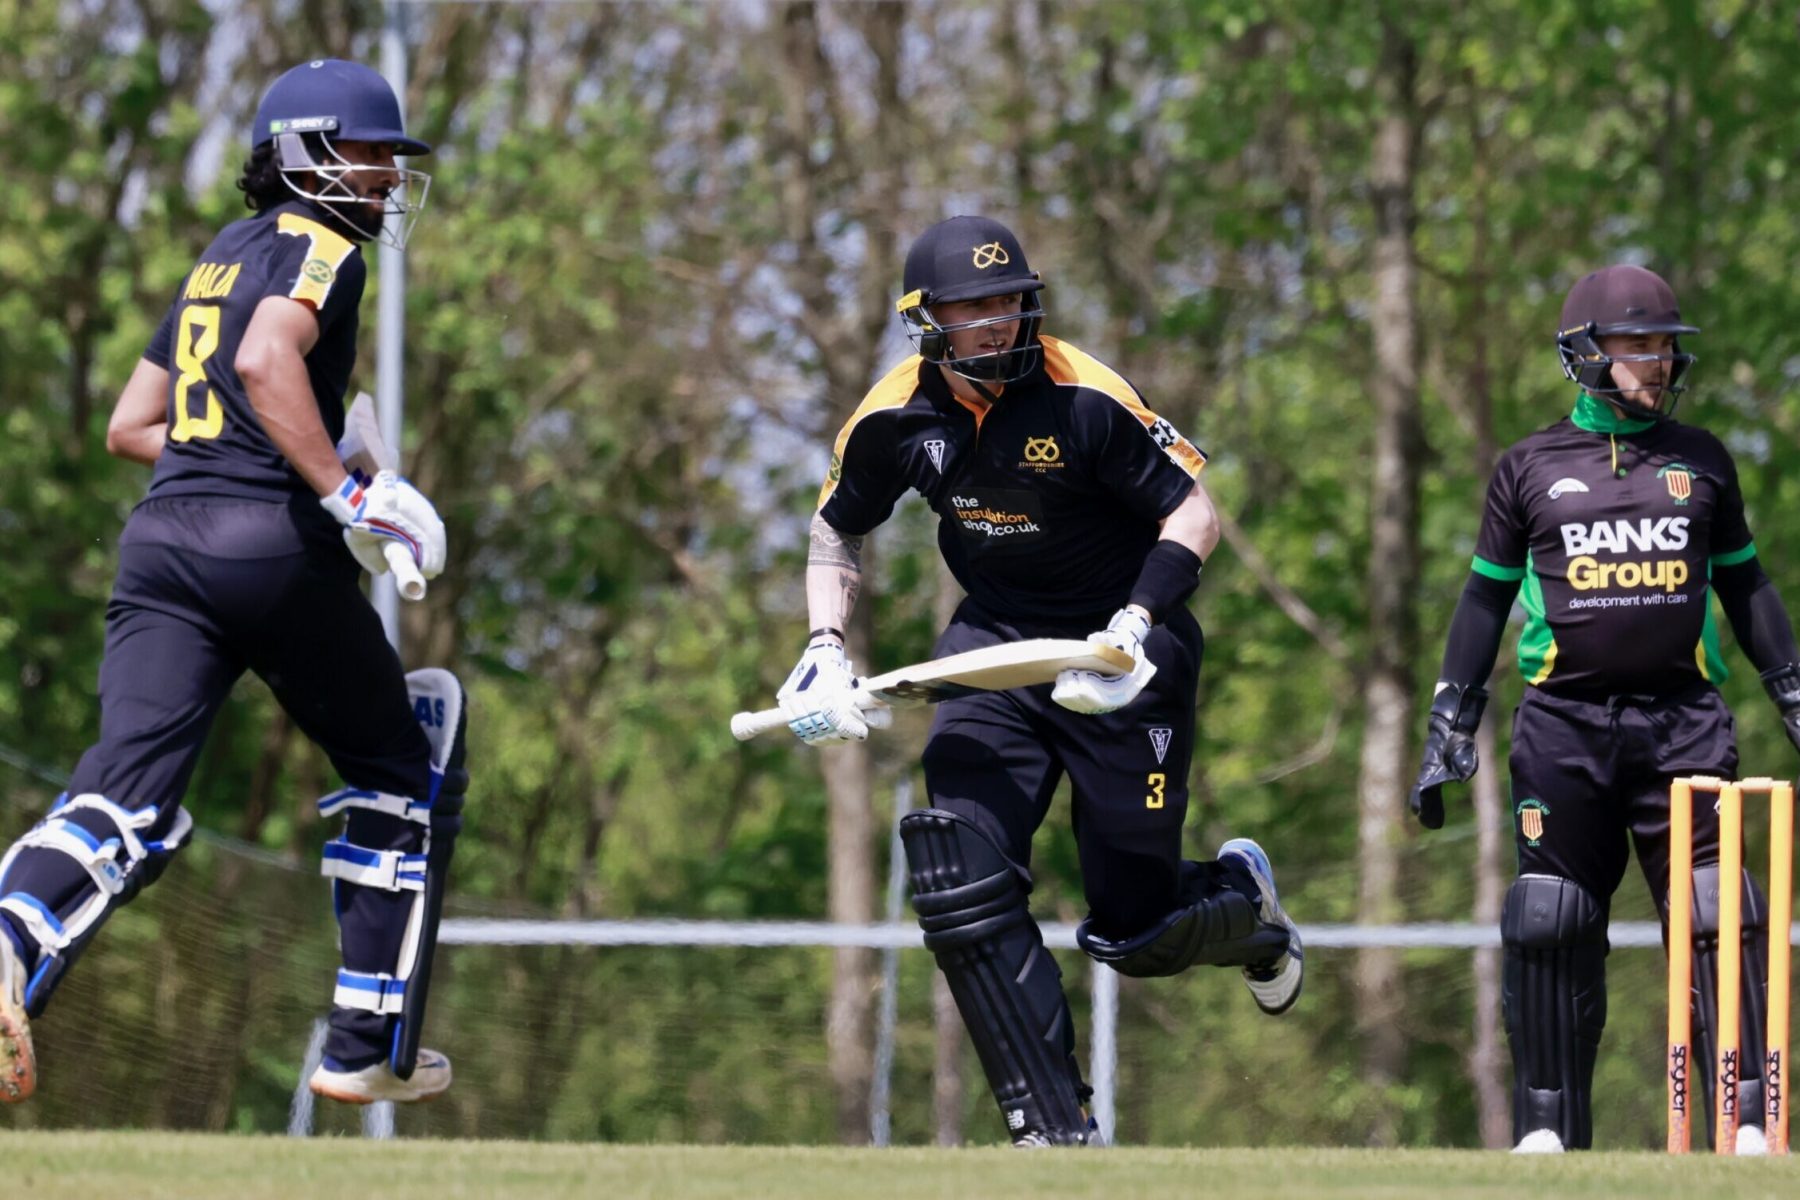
<point x="1614" y="526"/>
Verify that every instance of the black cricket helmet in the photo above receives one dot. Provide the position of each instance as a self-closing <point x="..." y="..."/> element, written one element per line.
<point x="328" y="100"/>
<point x="1621" y="300"/>
<point x="971" y="258"/>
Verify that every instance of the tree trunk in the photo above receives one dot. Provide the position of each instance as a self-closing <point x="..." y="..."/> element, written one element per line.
<point x="850" y="1017"/>
<point x="1393" y="574"/>
<point x="949" y="1088"/>
<point x="1487" y="1058"/>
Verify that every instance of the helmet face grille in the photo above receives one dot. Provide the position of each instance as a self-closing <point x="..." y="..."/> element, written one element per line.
<point x="1587" y="365"/>
<point x="931" y="338"/>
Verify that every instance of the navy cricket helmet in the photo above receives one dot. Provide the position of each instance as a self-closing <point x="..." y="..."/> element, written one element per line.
<point x="1624" y="300"/>
<point x="315" y="106"/>
<point x="971" y="258"/>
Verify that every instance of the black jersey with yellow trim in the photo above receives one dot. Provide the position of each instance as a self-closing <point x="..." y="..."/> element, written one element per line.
<point x="1047" y="502"/>
<point x="1613" y="527"/>
<point x="216" y="444"/>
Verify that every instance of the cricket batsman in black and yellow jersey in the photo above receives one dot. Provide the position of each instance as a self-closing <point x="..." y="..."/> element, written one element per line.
<point x="1613" y="527"/>
<point x="244" y="556"/>
<point x="1065" y="506"/>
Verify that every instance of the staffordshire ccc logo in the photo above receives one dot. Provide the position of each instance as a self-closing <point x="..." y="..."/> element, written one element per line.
<point x="1042" y="450"/>
<point x="993" y="254"/>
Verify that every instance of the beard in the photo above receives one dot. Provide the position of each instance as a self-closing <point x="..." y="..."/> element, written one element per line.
<point x="366" y="216"/>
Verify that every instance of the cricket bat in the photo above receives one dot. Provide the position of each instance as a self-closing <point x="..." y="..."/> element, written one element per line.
<point x="365" y="455"/>
<point x="989" y="669"/>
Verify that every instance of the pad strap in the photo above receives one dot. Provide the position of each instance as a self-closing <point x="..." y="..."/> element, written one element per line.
<point x="38" y="921"/>
<point x="404" y="807"/>
<point x="389" y="870"/>
<point x="376" y="993"/>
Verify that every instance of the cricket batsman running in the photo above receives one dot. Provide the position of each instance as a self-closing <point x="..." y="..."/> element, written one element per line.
<point x="245" y="555"/>
<point x="1066" y="508"/>
<point x="1618" y="522"/>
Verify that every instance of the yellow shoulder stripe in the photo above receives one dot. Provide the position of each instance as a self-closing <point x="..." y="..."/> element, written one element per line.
<point x="894" y="390"/>
<point x="1071" y="367"/>
<point x="326" y="253"/>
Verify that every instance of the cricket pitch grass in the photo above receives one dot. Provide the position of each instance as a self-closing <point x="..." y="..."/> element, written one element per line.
<point x="155" y="1166"/>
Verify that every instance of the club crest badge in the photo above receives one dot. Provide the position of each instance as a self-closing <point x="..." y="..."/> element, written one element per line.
<point x="1680" y="481"/>
<point x="1531" y="819"/>
<point x="990" y="254"/>
<point x="1159" y="742"/>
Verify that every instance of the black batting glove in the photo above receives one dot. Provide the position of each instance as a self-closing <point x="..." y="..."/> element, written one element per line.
<point x="1783" y="685"/>
<point x="1450" y="748"/>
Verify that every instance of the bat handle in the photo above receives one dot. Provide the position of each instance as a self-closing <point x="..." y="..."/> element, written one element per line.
<point x="406" y="571"/>
<point x="746" y="725"/>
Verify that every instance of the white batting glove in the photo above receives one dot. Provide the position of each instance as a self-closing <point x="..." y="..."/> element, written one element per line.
<point x="1092" y="693"/>
<point x="390" y="509"/>
<point x="820" y="697"/>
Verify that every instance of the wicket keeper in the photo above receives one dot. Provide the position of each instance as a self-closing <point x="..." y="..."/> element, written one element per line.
<point x="1618" y="523"/>
<point x="245" y="555"/>
<point x="1066" y="507"/>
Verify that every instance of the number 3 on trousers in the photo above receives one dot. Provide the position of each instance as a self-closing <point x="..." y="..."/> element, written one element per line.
<point x="196" y="337"/>
<point x="1156" y="782"/>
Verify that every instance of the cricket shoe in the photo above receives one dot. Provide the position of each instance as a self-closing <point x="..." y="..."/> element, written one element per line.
<point x="377" y="1081"/>
<point x="1274" y="985"/>
<point x="18" y="1062"/>
<point x="1539" y="1141"/>
<point x="1033" y="1140"/>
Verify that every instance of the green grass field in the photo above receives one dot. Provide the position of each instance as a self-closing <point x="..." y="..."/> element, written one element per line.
<point x="149" y="1166"/>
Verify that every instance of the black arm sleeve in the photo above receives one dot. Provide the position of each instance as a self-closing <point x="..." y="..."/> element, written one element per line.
<point x="1757" y="615"/>
<point x="1476" y="629"/>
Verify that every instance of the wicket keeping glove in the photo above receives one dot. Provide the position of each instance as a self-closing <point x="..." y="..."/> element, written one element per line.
<point x="1092" y="693"/>
<point x="390" y="509"/>
<point x="1783" y="685"/>
<point x="1449" y="748"/>
<point x="821" y="700"/>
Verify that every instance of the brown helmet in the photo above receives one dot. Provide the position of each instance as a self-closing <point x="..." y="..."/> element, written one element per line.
<point x="1620" y="300"/>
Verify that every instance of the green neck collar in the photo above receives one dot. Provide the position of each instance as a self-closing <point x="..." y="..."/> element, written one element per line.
<point x="1597" y="416"/>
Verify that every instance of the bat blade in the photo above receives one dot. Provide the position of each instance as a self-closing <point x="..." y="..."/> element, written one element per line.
<point x="365" y="454"/>
<point x="362" y="449"/>
<point x="995" y="669"/>
<point x="988" y="669"/>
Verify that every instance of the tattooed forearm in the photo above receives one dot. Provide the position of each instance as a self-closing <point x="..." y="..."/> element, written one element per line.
<point x="833" y="576"/>
<point x="830" y="548"/>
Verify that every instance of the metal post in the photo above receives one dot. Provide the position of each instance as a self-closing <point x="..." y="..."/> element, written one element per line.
<point x="390" y="313"/>
<point x="1106" y="1046"/>
<point x="881" y="1124"/>
<point x="390" y="402"/>
<point x="300" y="1109"/>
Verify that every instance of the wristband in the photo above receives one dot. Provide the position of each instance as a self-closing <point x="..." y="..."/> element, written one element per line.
<point x="345" y="504"/>
<point x="1170" y="574"/>
<point x="826" y="631"/>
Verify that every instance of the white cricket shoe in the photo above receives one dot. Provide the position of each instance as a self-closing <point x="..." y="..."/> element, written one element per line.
<point x="1539" y="1141"/>
<point x="1035" y="1140"/>
<point x="1276" y="985"/>
<point x="378" y="1082"/>
<point x="1750" y="1141"/>
<point x="18" y="1062"/>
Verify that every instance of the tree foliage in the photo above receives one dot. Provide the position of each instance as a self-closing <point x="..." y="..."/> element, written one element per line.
<point x="654" y="277"/>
